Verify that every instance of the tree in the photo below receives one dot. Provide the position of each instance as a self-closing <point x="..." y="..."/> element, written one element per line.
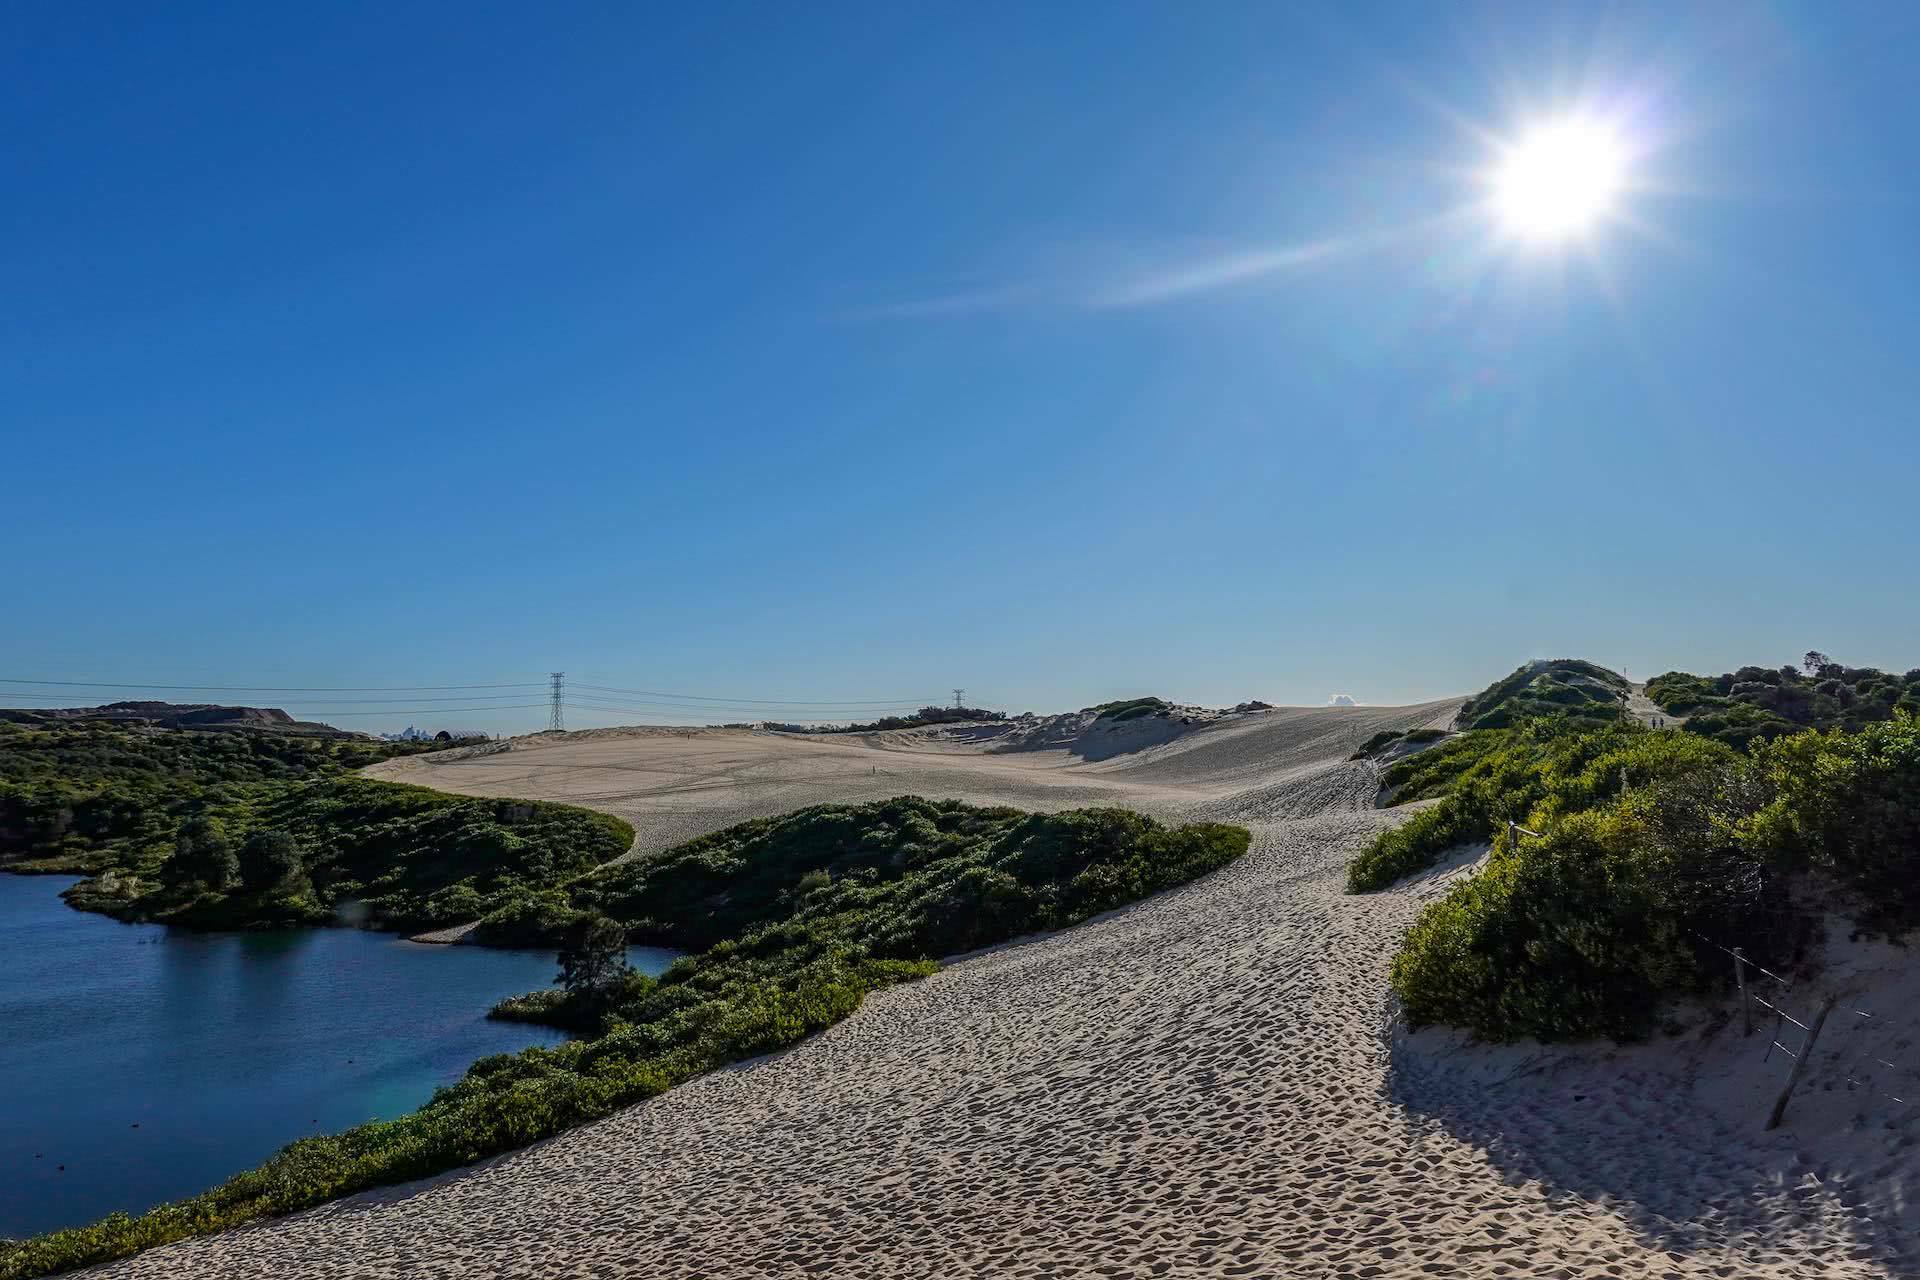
<point x="593" y="960"/>
<point x="201" y="854"/>
<point x="1816" y="663"/>
<point x="270" y="860"/>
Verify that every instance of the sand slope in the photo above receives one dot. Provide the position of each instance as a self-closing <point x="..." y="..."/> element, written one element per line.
<point x="1203" y="1084"/>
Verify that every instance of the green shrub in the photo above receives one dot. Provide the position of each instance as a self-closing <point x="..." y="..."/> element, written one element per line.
<point x="1547" y="687"/>
<point x="270" y="861"/>
<point x="1847" y="805"/>
<point x="1676" y="692"/>
<point x="1417" y="844"/>
<point x="531" y="919"/>
<point x="920" y="719"/>
<point x="203" y="858"/>
<point x="1588" y="929"/>
<point x="414" y="858"/>
<point x="1757" y="703"/>
<point x="1485" y="779"/>
<point x="1434" y="773"/>
<point x="910" y="879"/>
<point x="922" y="878"/>
<point x="1130" y="708"/>
<point x="83" y="797"/>
<point x="1372" y="746"/>
<point x="1561" y="940"/>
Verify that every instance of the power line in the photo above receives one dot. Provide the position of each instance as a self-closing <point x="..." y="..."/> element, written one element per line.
<point x="911" y="701"/>
<point x="672" y="718"/>
<point x="624" y="704"/>
<point x="584" y="691"/>
<point x="707" y="715"/>
<point x="52" y="700"/>
<point x="714" y="708"/>
<point x="781" y="702"/>
<point x="434" y="711"/>
<point x="584" y="697"/>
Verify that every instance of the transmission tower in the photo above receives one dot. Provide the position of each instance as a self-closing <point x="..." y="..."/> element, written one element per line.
<point x="959" y="699"/>
<point x="557" y="720"/>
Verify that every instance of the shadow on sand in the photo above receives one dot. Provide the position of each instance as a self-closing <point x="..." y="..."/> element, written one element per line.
<point x="1604" y="1125"/>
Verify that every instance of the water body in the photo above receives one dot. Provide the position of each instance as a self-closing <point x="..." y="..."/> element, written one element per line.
<point x="153" y="1063"/>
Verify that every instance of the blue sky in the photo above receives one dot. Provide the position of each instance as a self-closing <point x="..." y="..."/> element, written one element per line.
<point x="1057" y="352"/>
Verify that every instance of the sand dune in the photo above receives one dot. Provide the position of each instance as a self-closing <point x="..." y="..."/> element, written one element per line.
<point x="1203" y="1084"/>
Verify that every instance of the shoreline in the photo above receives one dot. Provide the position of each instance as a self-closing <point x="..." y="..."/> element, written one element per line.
<point x="1207" y="1066"/>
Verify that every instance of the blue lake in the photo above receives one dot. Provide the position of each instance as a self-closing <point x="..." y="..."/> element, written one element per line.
<point x="152" y="1063"/>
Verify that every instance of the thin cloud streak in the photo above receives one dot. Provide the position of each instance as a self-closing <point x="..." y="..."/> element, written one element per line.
<point x="1162" y="284"/>
<point x="1218" y="273"/>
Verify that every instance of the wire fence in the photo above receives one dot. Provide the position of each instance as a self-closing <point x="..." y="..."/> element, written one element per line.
<point x="1760" y="987"/>
<point x="1859" y="1073"/>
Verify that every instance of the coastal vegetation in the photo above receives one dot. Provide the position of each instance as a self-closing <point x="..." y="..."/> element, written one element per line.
<point x="81" y="797"/>
<point x="1752" y="703"/>
<point x="1564" y="687"/>
<point x="239" y="830"/>
<point x="1131" y="708"/>
<point x="918" y="720"/>
<point x="1389" y="739"/>
<point x="1486" y="778"/>
<point x="1588" y="929"/>
<point x="796" y="919"/>
<point x="387" y="855"/>
<point x="1649" y="842"/>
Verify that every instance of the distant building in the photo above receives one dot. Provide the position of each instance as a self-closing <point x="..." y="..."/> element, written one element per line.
<point x="413" y="734"/>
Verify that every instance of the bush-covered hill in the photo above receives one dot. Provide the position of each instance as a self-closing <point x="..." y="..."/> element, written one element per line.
<point x="136" y="714"/>
<point x="238" y="829"/>
<point x="1765" y="702"/>
<point x="1391" y="739"/>
<point x="81" y="797"/>
<point x="1589" y="929"/>
<point x="1131" y="708"/>
<point x="806" y="915"/>
<point x="1487" y="778"/>
<point x="918" y="720"/>
<point x="409" y="857"/>
<point x="1566" y="687"/>
<point x="901" y="878"/>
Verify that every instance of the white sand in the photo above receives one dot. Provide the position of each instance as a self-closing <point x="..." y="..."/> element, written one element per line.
<point x="1204" y="1084"/>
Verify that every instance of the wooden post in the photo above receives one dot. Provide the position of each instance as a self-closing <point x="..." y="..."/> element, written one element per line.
<point x="1800" y="1063"/>
<point x="1740" y="976"/>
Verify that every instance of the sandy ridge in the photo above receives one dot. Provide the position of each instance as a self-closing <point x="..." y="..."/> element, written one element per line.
<point x="1204" y="1084"/>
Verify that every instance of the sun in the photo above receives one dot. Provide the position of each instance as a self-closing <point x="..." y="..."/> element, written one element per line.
<point x="1559" y="181"/>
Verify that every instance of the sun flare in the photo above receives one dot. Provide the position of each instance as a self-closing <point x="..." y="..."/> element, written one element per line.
<point x="1559" y="181"/>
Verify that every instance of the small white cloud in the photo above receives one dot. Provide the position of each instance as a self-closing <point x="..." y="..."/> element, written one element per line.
<point x="1343" y="700"/>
